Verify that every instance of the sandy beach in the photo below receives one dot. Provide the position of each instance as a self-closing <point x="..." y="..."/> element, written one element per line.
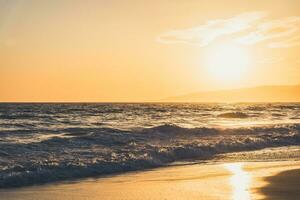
<point x="249" y="180"/>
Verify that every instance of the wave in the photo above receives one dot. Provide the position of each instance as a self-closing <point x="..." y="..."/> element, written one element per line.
<point x="87" y="152"/>
<point x="234" y="115"/>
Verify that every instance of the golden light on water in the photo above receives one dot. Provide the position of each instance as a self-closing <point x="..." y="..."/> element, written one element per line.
<point x="240" y="181"/>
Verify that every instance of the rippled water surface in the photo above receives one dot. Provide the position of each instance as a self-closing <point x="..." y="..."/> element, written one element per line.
<point x="47" y="142"/>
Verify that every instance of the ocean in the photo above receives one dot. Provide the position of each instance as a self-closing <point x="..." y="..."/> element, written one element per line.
<point x="46" y="142"/>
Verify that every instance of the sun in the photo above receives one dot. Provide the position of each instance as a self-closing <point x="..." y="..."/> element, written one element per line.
<point x="227" y="62"/>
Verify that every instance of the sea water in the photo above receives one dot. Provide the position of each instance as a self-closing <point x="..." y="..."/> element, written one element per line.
<point x="42" y="142"/>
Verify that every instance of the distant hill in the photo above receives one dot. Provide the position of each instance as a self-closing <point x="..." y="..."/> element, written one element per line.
<point x="255" y="94"/>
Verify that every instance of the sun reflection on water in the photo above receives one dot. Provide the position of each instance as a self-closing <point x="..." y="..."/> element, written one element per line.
<point x="240" y="181"/>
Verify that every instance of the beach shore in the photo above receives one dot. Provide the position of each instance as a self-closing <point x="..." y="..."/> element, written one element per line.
<point x="284" y="185"/>
<point x="237" y="181"/>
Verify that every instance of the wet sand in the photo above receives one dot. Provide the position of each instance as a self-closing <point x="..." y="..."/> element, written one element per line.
<point x="237" y="181"/>
<point x="285" y="185"/>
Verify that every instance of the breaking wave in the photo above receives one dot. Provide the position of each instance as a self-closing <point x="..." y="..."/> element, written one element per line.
<point x="69" y="153"/>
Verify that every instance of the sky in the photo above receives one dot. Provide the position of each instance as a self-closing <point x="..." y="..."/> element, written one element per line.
<point x="134" y="50"/>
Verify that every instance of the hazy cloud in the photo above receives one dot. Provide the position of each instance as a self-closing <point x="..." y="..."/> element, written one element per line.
<point x="271" y="60"/>
<point x="294" y="41"/>
<point x="280" y="33"/>
<point x="252" y="28"/>
<point x="204" y="34"/>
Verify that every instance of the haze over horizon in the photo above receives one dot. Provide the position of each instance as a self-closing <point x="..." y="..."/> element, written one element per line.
<point x="267" y="93"/>
<point x="116" y="51"/>
<point x="273" y="93"/>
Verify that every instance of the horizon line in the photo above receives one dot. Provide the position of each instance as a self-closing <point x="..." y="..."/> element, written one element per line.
<point x="138" y="102"/>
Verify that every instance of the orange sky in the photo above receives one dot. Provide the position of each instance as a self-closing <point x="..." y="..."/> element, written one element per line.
<point x="143" y="50"/>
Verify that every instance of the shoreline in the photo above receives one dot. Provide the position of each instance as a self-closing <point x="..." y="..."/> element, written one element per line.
<point x="256" y="180"/>
<point x="264" y="154"/>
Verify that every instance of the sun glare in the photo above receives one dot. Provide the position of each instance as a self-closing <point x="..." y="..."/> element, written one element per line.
<point x="227" y="62"/>
<point x="240" y="181"/>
